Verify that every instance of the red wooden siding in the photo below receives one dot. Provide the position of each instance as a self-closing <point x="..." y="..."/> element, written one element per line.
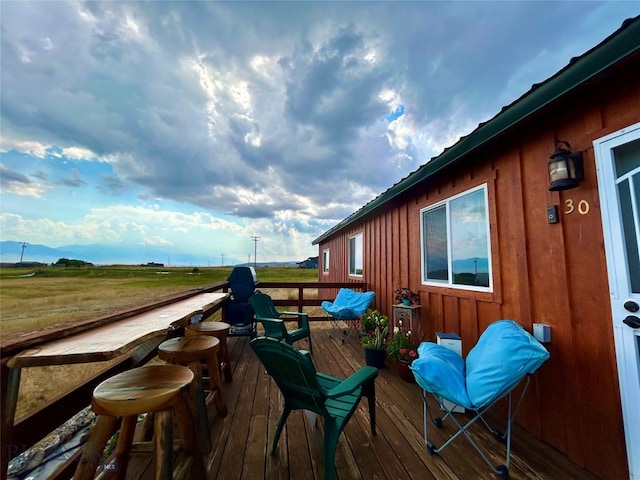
<point x="542" y="273"/>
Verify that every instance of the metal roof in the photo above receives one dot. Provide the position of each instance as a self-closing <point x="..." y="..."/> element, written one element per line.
<point x="623" y="42"/>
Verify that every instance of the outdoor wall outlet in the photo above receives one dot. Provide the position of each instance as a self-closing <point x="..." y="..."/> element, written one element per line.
<point x="542" y="332"/>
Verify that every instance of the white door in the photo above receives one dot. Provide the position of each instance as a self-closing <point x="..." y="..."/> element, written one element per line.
<point x="618" y="165"/>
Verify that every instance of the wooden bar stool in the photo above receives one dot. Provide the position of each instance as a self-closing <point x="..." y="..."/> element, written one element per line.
<point x="161" y="390"/>
<point x="219" y="330"/>
<point x="191" y="352"/>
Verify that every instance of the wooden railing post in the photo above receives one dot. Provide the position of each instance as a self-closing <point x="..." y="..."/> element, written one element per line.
<point x="10" y="378"/>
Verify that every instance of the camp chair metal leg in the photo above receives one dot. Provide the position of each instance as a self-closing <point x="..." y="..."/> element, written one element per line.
<point x="447" y="411"/>
<point x="508" y="434"/>
<point x="351" y="324"/>
<point x="335" y="327"/>
<point x="462" y="430"/>
<point x="500" y="470"/>
<point x="438" y="421"/>
<point x="425" y="414"/>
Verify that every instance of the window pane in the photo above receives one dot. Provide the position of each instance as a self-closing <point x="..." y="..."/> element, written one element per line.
<point x="469" y="240"/>
<point x="352" y="255"/>
<point x="630" y="240"/>
<point x="355" y="255"/>
<point x="627" y="157"/>
<point x="435" y="245"/>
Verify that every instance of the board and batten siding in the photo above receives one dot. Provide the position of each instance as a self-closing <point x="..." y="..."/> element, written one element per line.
<point x="553" y="274"/>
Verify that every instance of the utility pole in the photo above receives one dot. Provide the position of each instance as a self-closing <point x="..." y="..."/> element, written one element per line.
<point x="24" y="245"/>
<point x="222" y="261"/>
<point x="255" y="249"/>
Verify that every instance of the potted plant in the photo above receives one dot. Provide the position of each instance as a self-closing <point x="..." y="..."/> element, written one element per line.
<point x="402" y="349"/>
<point x="406" y="296"/>
<point x="376" y="328"/>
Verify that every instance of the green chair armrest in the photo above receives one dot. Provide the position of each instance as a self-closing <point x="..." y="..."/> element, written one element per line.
<point x="274" y="327"/>
<point x="304" y="318"/>
<point x="352" y="383"/>
<point x="271" y="320"/>
<point x="298" y="334"/>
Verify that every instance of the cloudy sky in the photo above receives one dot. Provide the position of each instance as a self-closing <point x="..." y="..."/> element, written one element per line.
<point x="195" y="126"/>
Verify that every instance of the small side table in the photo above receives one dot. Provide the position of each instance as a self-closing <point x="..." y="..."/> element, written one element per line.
<point x="406" y="313"/>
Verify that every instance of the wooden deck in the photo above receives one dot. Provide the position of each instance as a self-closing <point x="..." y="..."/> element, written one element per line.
<point x="243" y="437"/>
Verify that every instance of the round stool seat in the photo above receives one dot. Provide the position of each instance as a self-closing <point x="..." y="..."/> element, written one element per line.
<point x="184" y="350"/>
<point x="216" y="329"/>
<point x="141" y="390"/>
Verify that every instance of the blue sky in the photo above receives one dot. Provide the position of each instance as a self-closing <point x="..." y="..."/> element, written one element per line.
<point x="195" y="126"/>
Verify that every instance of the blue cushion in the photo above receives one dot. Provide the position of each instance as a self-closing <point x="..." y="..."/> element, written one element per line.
<point x="441" y="371"/>
<point x="504" y="353"/>
<point x="348" y="304"/>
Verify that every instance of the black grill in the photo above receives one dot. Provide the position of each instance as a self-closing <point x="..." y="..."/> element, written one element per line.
<point x="238" y="311"/>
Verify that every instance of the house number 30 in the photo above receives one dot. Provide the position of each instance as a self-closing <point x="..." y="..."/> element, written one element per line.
<point x="582" y="207"/>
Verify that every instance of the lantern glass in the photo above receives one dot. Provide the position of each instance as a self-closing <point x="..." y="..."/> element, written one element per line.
<point x="564" y="171"/>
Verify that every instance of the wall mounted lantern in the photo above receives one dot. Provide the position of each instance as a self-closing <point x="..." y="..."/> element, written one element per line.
<point x="565" y="168"/>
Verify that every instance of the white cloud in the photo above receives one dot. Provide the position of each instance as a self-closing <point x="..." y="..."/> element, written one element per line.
<point x="40" y="150"/>
<point x="30" y="147"/>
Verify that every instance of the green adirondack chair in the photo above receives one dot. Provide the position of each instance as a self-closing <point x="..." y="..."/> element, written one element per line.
<point x="303" y="388"/>
<point x="273" y="322"/>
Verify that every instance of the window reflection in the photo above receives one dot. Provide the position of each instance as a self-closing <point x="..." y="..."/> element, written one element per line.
<point x="456" y="241"/>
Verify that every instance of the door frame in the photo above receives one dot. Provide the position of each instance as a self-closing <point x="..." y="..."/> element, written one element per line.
<point x="626" y="344"/>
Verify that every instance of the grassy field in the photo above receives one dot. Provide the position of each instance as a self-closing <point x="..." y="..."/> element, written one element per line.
<point x="35" y="298"/>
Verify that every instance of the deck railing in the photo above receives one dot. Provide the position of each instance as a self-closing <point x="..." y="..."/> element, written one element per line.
<point x="18" y="436"/>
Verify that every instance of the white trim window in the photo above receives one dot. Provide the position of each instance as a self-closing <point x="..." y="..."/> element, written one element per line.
<point x="456" y="247"/>
<point x="325" y="261"/>
<point x="355" y="255"/>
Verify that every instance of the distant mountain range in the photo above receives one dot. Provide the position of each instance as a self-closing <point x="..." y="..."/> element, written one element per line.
<point x="10" y="252"/>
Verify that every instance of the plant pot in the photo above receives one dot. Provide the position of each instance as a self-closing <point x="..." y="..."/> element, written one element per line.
<point x="406" y="301"/>
<point x="405" y="372"/>
<point x="374" y="358"/>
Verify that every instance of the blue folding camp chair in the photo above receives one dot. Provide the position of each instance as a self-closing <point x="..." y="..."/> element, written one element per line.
<point x="505" y="355"/>
<point x="347" y="307"/>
